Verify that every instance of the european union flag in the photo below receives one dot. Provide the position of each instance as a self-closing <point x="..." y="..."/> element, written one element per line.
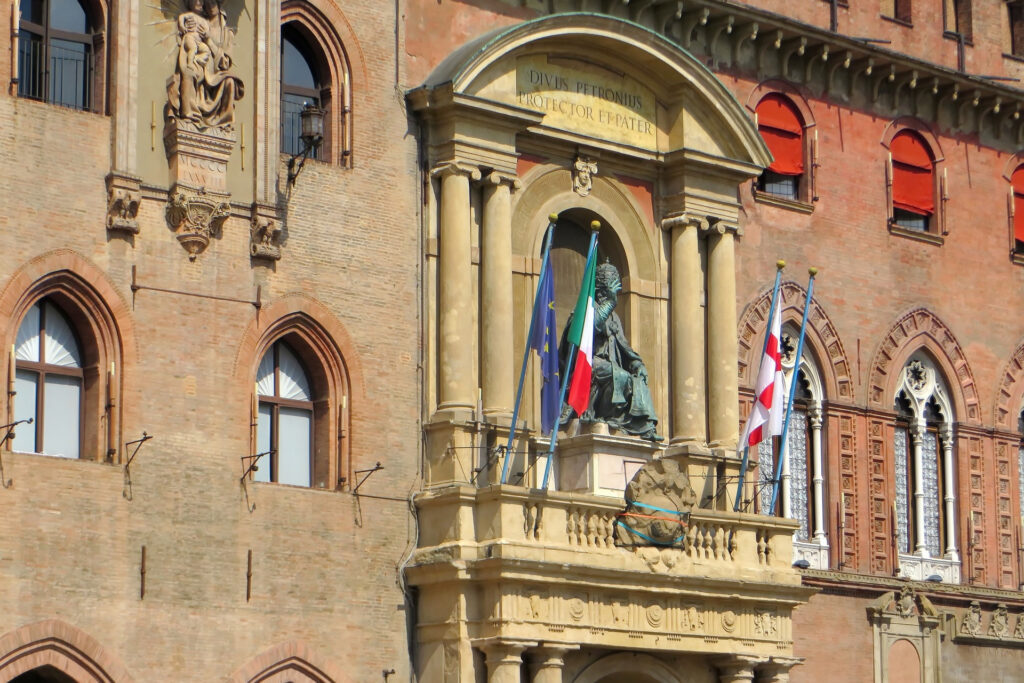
<point x="546" y="345"/>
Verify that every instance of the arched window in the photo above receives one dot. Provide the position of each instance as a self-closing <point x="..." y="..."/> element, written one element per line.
<point x="925" y="502"/>
<point x="56" y="52"/>
<point x="315" y="69"/>
<point x="43" y="674"/>
<point x="1017" y="208"/>
<point x="285" y="418"/>
<point x="48" y="383"/>
<point x="802" y="479"/>
<point x="957" y="17"/>
<point x="912" y="182"/>
<point x="780" y="124"/>
<point x="300" y="85"/>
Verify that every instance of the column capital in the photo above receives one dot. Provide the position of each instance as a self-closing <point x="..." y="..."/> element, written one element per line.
<point x="683" y="220"/>
<point x="499" y="178"/>
<point x="946" y="434"/>
<point x="777" y="669"/>
<point x="448" y="168"/>
<point x="721" y="226"/>
<point x="814" y="415"/>
<point x="737" y="668"/>
<point x="917" y="430"/>
<point x="503" y="649"/>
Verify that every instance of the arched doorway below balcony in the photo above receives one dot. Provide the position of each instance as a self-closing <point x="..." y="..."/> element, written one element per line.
<point x="627" y="667"/>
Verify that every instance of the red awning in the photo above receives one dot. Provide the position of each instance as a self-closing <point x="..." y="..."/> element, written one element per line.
<point x="1017" y="180"/>
<point x="779" y="124"/>
<point x="913" y="187"/>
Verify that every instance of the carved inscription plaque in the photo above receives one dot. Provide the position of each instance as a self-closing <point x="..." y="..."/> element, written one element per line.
<point x="587" y="99"/>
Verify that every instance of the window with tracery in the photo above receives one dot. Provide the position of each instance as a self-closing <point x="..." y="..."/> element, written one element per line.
<point x="924" y="507"/>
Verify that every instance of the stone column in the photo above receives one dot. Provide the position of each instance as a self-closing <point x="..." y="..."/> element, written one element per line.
<point x="818" y="475"/>
<point x="723" y="391"/>
<point x="950" y="496"/>
<point x="917" y="441"/>
<point x="777" y="670"/>
<point x="689" y="412"/>
<point x="548" y="662"/>
<point x="496" y="333"/>
<point x="786" y="480"/>
<point x="737" y="668"/>
<point x="504" y="660"/>
<point x="455" y="290"/>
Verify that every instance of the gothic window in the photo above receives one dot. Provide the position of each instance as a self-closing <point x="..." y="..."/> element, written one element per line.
<point x="1015" y="14"/>
<point x="315" y="70"/>
<point x="957" y="17"/>
<point x="284" y="423"/>
<point x="782" y="127"/>
<point x="48" y="383"/>
<point x="300" y="85"/>
<point x="57" y="51"/>
<point x="925" y="494"/>
<point x="911" y="182"/>
<point x="802" y="478"/>
<point x="1017" y="209"/>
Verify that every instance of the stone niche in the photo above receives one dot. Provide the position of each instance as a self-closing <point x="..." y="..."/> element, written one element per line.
<point x="199" y="134"/>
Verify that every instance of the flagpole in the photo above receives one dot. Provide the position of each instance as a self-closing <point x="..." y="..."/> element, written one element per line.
<point x="783" y="450"/>
<point x="595" y="226"/>
<point x="552" y="220"/>
<point x="779" y="265"/>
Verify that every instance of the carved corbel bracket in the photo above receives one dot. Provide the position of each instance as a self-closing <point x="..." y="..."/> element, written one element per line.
<point x="265" y="233"/>
<point x="196" y="217"/>
<point x="123" y="200"/>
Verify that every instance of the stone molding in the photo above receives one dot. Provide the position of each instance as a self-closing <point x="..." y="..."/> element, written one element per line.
<point x="1011" y="388"/>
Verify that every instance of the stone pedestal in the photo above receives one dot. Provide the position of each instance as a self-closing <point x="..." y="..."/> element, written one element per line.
<point x="198" y="161"/>
<point x="198" y="204"/>
<point x="601" y="464"/>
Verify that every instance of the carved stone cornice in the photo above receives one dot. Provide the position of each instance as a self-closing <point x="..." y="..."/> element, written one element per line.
<point x="866" y="584"/>
<point x="833" y="65"/>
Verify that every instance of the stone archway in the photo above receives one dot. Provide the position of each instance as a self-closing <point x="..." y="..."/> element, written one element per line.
<point x="627" y="667"/>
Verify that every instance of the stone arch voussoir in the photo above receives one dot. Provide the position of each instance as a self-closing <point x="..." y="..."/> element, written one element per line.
<point x="58" y="644"/>
<point x="922" y="329"/>
<point x="294" y="661"/>
<point x="821" y="337"/>
<point x="1010" y="394"/>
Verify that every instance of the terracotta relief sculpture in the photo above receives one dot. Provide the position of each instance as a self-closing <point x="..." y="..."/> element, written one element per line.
<point x="203" y="90"/>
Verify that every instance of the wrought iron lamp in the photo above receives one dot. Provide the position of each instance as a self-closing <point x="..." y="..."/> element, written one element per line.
<point x="311" y="134"/>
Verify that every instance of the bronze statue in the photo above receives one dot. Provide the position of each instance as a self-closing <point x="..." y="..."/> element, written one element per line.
<point x="619" y="395"/>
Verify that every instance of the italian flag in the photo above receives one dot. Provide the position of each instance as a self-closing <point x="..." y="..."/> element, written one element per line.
<point x="581" y="334"/>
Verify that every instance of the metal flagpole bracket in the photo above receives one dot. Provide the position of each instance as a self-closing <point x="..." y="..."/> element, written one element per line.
<point x="8" y="435"/>
<point x="368" y="473"/>
<point x="126" y="492"/>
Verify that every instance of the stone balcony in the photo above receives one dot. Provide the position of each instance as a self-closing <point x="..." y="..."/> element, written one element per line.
<point x="511" y="564"/>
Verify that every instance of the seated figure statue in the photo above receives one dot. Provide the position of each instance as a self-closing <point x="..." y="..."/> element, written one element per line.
<point x="619" y="395"/>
